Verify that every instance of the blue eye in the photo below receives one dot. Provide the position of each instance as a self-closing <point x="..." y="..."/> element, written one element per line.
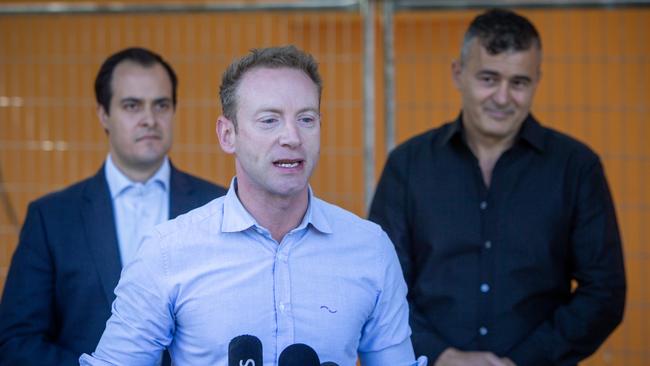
<point x="268" y="120"/>
<point x="309" y="119"/>
<point x="306" y="119"/>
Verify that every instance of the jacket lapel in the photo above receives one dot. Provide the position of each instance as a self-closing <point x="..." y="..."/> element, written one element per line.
<point x="181" y="197"/>
<point x="99" y="225"/>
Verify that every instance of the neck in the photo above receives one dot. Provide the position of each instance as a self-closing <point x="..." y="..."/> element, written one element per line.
<point x="487" y="150"/>
<point x="278" y="214"/>
<point x="138" y="174"/>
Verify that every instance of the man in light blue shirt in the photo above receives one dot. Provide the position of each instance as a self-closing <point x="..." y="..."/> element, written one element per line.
<point x="269" y="259"/>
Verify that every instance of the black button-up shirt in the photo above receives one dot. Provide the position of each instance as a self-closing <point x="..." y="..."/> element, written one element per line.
<point x="492" y="268"/>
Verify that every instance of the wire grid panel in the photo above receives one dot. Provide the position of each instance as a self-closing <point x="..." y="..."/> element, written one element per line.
<point x="50" y="135"/>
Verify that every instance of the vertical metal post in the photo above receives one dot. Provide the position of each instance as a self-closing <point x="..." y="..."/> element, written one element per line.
<point x="389" y="75"/>
<point x="368" y="13"/>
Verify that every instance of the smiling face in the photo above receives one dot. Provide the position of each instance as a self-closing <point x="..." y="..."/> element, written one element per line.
<point x="139" y="123"/>
<point x="497" y="90"/>
<point x="277" y="140"/>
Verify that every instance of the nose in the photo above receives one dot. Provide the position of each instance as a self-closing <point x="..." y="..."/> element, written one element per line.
<point x="502" y="94"/>
<point x="148" y="117"/>
<point x="290" y="135"/>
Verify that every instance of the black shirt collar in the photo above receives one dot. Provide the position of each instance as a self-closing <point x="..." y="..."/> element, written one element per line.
<point x="531" y="132"/>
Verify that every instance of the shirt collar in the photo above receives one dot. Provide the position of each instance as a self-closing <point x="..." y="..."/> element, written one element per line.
<point x="531" y="132"/>
<point x="453" y="129"/>
<point x="236" y="218"/>
<point x="118" y="182"/>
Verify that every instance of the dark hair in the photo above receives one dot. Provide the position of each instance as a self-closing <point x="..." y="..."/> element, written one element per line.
<point x="501" y="30"/>
<point x="272" y="57"/>
<point x="140" y="56"/>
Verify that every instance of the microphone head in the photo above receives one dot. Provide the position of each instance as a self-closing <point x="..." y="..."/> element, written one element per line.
<point x="298" y="355"/>
<point x="329" y="363"/>
<point x="245" y="350"/>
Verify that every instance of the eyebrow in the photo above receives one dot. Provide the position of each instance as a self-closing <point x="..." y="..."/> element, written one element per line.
<point x="141" y="100"/>
<point x="278" y="111"/>
<point x="130" y="99"/>
<point x="494" y="73"/>
<point x="162" y="99"/>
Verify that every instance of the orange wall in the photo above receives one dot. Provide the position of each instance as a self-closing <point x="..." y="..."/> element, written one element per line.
<point x="596" y="74"/>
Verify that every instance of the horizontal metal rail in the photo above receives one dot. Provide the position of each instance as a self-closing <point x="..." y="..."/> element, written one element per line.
<point x="61" y="8"/>
<point x="469" y="4"/>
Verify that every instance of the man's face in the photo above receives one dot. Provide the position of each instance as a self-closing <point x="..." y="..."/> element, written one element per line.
<point x="497" y="90"/>
<point x="277" y="141"/>
<point x="139" y="124"/>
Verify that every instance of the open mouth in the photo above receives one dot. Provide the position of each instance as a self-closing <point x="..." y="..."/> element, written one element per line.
<point x="287" y="164"/>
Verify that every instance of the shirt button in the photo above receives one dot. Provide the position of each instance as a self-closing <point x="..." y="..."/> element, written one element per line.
<point x="281" y="307"/>
<point x="482" y="331"/>
<point x="488" y="244"/>
<point x="485" y="288"/>
<point x="483" y="205"/>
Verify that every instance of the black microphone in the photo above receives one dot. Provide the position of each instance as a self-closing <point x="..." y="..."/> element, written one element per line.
<point x="298" y="355"/>
<point x="245" y="350"/>
<point x="329" y="363"/>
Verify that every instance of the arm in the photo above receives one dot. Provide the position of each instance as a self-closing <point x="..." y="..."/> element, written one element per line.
<point x="142" y="323"/>
<point x="454" y="357"/>
<point x="27" y="312"/>
<point x="385" y="338"/>
<point x="390" y="209"/>
<point x="577" y="329"/>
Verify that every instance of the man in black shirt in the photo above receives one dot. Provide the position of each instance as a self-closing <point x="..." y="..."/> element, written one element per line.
<point x="505" y="229"/>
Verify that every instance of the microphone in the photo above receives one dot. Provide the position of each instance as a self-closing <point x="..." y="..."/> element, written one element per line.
<point x="298" y="354"/>
<point x="329" y="363"/>
<point x="245" y="350"/>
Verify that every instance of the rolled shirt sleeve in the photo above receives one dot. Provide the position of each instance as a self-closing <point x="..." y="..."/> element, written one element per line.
<point x="385" y="338"/>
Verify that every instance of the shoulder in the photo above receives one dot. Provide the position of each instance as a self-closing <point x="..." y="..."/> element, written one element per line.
<point x="175" y="243"/>
<point x="358" y="244"/>
<point x="339" y="216"/>
<point x="422" y="140"/>
<point x="206" y="217"/>
<point x="562" y="146"/>
<point x="420" y="145"/>
<point x="357" y="231"/>
<point x="67" y="196"/>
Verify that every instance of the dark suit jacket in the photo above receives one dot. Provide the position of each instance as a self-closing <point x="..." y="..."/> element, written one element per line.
<point x="59" y="289"/>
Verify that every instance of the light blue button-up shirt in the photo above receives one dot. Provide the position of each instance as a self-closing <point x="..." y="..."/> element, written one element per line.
<point x="137" y="207"/>
<point x="333" y="283"/>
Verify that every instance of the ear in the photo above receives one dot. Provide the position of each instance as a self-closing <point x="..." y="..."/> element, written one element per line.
<point x="226" y="134"/>
<point x="456" y="71"/>
<point x="103" y="116"/>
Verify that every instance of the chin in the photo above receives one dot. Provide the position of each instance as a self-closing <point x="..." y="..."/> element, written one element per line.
<point x="291" y="191"/>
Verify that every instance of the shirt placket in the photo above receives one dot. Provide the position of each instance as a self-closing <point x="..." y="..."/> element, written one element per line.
<point x="282" y="283"/>
<point x="487" y="211"/>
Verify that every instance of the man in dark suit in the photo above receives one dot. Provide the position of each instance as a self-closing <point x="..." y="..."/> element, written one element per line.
<point x="74" y="242"/>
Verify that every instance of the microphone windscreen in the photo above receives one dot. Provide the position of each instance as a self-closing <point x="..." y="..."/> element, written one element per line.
<point x="298" y="355"/>
<point x="329" y="363"/>
<point x="245" y="350"/>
